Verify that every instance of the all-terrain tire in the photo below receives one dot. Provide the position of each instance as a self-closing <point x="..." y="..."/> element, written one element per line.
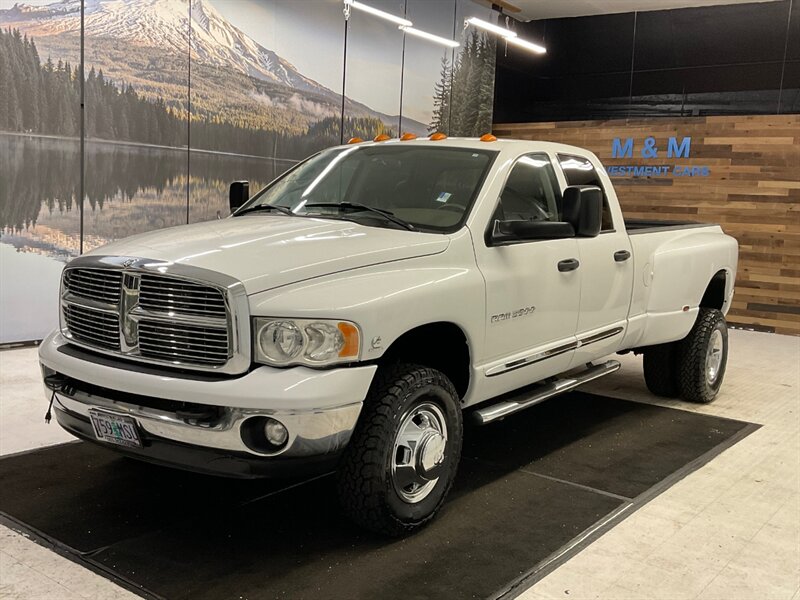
<point x="367" y="491"/>
<point x="696" y="354"/>
<point x="660" y="367"/>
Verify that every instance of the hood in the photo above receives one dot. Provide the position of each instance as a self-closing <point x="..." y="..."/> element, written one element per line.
<point x="269" y="251"/>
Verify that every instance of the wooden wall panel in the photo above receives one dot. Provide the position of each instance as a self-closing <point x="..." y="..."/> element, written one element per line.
<point x="752" y="191"/>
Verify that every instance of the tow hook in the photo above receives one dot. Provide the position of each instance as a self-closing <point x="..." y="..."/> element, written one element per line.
<point x="55" y="383"/>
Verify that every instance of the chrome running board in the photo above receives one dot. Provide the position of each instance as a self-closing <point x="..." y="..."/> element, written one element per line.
<point x="528" y="397"/>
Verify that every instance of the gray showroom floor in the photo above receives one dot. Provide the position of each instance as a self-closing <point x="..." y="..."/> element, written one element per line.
<point x="730" y="530"/>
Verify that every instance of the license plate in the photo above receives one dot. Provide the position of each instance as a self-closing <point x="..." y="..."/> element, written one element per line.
<point x="115" y="429"/>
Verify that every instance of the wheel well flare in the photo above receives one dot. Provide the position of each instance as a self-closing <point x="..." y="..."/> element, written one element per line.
<point x="714" y="296"/>
<point x="442" y="346"/>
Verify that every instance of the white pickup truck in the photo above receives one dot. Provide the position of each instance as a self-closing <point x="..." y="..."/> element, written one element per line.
<point x="355" y="311"/>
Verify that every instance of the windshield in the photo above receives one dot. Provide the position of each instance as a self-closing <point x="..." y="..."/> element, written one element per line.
<point x="421" y="187"/>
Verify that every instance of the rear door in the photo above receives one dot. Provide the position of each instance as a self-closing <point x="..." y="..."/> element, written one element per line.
<point x="606" y="271"/>
<point x="532" y="306"/>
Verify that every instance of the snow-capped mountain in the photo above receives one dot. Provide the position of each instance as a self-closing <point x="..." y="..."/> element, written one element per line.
<point x="164" y="24"/>
<point x="131" y="40"/>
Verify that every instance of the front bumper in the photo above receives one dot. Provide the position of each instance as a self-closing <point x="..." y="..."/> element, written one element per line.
<point x="200" y="459"/>
<point x="202" y="425"/>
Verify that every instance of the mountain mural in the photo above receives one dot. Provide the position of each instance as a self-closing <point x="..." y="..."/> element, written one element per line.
<point x="163" y="24"/>
<point x="247" y="113"/>
<point x="144" y="43"/>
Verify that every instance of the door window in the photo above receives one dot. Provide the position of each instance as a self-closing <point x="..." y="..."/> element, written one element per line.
<point x="531" y="192"/>
<point x="579" y="171"/>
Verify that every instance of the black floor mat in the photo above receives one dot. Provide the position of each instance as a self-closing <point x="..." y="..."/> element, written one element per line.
<point x="526" y="487"/>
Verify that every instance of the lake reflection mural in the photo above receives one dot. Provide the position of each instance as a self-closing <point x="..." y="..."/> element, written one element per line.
<point x="129" y="190"/>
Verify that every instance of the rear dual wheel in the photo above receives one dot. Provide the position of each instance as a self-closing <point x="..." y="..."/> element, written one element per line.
<point x="702" y="357"/>
<point x="694" y="367"/>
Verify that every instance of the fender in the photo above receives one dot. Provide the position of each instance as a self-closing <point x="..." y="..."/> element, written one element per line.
<point x="679" y="279"/>
<point x="387" y="301"/>
<point x="672" y="282"/>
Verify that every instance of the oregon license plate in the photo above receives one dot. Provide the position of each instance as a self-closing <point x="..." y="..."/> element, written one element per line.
<point x="116" y="429"/>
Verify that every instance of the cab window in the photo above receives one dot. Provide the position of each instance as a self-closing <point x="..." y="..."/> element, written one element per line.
<point x="531" y="192"/>
<point x="579" y="171"/>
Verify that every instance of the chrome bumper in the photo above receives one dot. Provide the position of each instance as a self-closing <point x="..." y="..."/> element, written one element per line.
<point x="311" y="433"/>
<point x="318" y="407"/>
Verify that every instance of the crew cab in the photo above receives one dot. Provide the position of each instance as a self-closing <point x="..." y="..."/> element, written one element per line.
<point x="353" y="313"/>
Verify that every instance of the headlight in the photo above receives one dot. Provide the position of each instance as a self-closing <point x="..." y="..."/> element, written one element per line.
<point x="305" y="342"/>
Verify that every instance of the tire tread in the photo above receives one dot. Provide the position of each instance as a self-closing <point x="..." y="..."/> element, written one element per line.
<point x="692" y="358"/>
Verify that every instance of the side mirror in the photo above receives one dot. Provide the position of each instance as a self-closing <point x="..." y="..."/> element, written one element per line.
<point x="507" y="231"/>
<point x="582" y="207"/>
<point x="239" y="194"/>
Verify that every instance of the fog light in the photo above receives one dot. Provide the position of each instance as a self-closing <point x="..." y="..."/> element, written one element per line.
<point x="275" y="432"/>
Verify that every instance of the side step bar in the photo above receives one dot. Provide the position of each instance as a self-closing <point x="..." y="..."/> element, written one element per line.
<point x="530" y="397"/>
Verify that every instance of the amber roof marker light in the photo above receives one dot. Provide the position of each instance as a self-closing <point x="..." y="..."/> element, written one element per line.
<point x="488" y="137"/>
<point x="435" y="137"/>
<point x="381" y="137"/>
<point x="355" y="140"/>
<point x="407" y="137"/>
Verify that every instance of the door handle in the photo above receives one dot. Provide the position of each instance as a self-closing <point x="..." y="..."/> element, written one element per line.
<point x="621" y="255"/>
<point x="569" y="264"/>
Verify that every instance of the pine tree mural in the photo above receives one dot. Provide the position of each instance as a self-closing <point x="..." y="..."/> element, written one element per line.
<point x="440" y="120"/>
<point x="463" y="98"/>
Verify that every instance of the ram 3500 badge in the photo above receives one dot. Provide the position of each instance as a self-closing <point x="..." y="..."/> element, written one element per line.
<point x="351" y="314"/>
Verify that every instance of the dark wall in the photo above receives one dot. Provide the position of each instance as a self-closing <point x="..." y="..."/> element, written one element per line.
<point x="730" y="59"/>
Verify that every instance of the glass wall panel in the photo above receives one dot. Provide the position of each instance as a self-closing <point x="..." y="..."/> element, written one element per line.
<point x="373" y="78"/>
<point x="730" y="59"/>
<point x="427" y="67"/>
<point x="790" y="92"/>
<point x="137" y="87"/>
<point x="472" y="95"/>
<point x="39" y="169"/>
<point x="586" y="72"/>
<point x="266" y="81"/>
<point x="709" y="61"/>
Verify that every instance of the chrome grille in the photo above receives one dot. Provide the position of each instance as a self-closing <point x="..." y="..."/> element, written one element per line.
<point x="170" y="295"/>
<point x="148" y="316"/>
<point x="95" y="284"/>
<point x="92" y="326"/>
<point x="189" y="343"/>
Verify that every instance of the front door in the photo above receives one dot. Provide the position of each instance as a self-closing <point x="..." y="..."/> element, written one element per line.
<point x="532" y="289"/>
<point x="606" y="272"/>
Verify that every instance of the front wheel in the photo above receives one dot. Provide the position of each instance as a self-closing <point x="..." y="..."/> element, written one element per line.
<point x="402" y="458"/>
<point x="703" y="356"/>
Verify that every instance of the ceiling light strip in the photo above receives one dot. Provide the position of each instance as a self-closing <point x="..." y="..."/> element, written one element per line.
<point x="430" y="37"/>
<point x="510" y="36"/>
<point x="378" y="13"/>
<point x="501" y="31"/>
<point x="527" y="45"/>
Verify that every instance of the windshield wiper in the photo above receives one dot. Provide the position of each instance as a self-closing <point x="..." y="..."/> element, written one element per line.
<point x="356" y="206"/>
<point x="266" y="207"/>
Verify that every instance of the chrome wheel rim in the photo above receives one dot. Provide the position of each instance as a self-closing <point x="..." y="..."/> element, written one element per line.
<point x="714" y="357"/>
<point x="419" y="452"/>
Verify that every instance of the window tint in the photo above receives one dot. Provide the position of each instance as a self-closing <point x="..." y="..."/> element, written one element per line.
<point x="531" y="192"/>
<point x="579" y="171"/>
